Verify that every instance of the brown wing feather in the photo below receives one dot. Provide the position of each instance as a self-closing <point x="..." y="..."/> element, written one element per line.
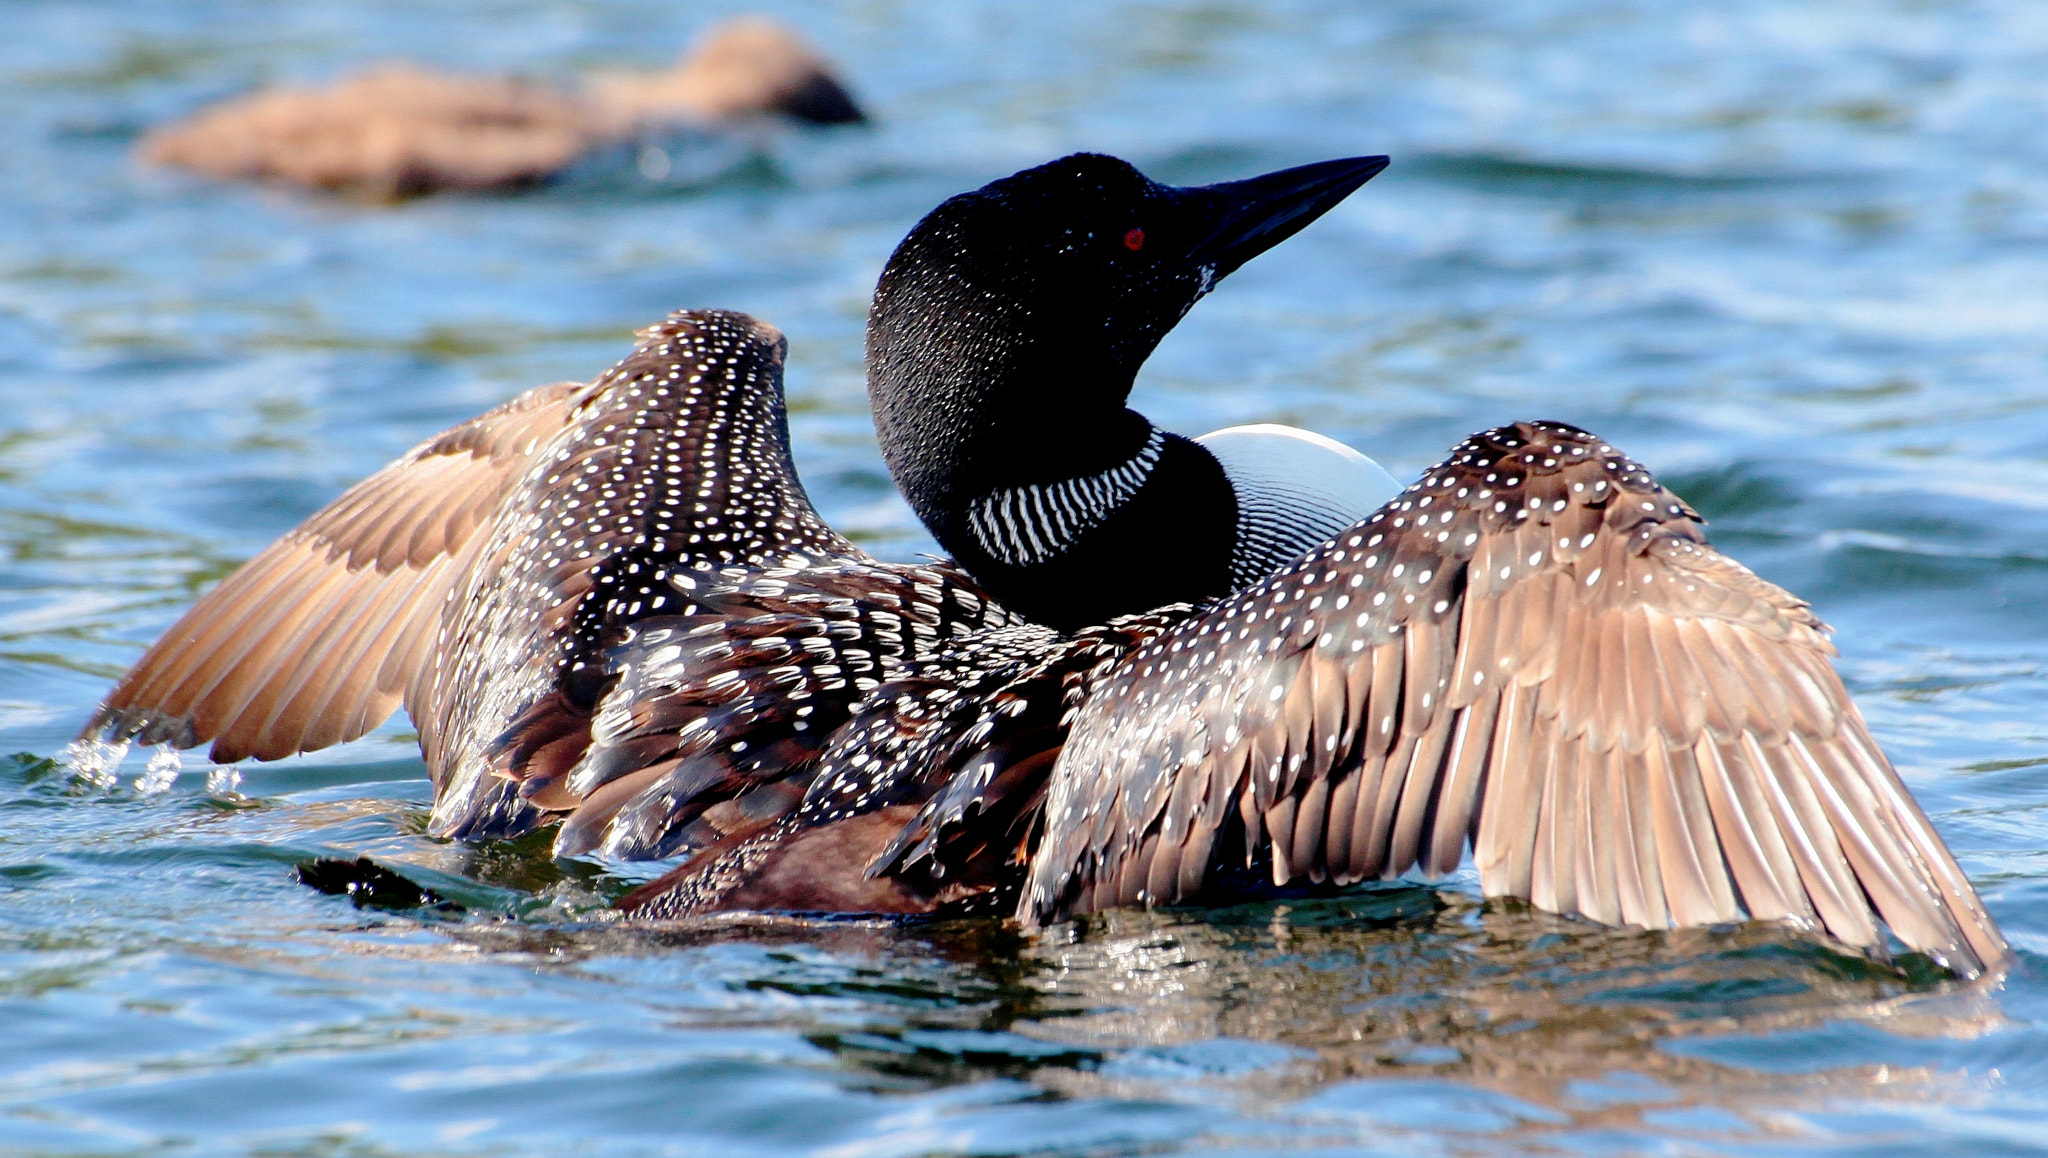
<point x="676" y="462"/>
<point x="1532" y="648"/>
<point x="292" y="652"/>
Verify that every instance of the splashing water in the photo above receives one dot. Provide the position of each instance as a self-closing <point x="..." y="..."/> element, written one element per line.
<point x="224" y="781"/>
<point x="161" y="772"/>
<point x="94" y="762"/>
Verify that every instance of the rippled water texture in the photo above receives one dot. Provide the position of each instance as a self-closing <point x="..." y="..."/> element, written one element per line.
<point x="1793" y="256"/>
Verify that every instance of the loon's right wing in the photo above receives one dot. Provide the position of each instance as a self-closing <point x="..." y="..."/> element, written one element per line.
<point x="1534" y="650"/>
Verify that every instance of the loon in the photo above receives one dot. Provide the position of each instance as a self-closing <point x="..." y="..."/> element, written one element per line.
<point x="612" y="606"/>
<point x="399" y="130"/>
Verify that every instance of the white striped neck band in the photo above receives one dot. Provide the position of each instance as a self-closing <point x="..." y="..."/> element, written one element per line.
<point x="1024" y="525"/>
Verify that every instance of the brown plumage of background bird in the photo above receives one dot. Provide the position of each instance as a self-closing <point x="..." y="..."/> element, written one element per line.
<point x="399" y="130"/>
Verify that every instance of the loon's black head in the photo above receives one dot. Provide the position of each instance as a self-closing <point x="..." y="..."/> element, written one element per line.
<point x="1038" y="296"/>
<point x="1006" y="333"/>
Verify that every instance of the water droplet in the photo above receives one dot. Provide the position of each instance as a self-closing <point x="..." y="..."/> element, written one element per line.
<point x="161" y="772"/>
<point x="94" y="761"/>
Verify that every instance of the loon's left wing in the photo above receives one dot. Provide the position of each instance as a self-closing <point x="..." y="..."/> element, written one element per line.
<point x="1532" y="649"/>
<point x="314" y="641"/>
<point x="482" y="578"/>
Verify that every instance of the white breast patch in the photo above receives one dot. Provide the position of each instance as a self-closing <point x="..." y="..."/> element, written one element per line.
<point x="1295" y="490"/>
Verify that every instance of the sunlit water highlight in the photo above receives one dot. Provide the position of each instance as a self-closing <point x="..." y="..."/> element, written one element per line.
<point x="1792" y="256"/>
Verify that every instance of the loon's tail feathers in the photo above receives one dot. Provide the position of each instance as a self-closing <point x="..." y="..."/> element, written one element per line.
<point x="1534" y="651"/>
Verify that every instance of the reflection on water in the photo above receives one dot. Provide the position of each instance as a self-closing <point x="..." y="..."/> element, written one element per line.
<point x="1401" y="1014"/>
<point x="1300" y="1011"/>
<point x="1574" y="1021"/>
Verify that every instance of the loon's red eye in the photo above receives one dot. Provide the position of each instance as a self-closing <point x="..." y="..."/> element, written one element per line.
<point x="1134" y="240"/>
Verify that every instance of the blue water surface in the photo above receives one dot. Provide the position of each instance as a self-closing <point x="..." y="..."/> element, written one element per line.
<point x="1793" y="256"/>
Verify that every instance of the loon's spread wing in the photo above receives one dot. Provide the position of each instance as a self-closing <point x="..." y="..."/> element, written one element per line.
<point x="312" y="642"/>
<point x="1533" y="649"/>
<point x="484" y="577"/>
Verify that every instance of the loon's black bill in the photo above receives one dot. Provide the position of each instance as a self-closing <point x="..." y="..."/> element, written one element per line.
<point x="1259" y="213"/>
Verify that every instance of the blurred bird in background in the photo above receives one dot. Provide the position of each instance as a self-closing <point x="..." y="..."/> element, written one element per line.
<point x="398" y="130"/>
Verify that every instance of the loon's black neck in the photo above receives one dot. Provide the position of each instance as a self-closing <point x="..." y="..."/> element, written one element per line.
<point x="1005" y="425"/>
